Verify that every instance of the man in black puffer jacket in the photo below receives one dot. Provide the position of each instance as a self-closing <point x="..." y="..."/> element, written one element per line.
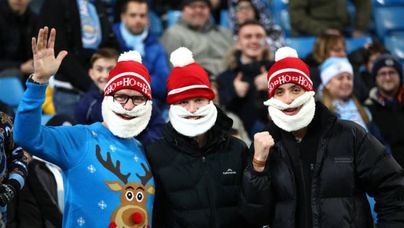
<point x="310" y="169"/>
<point x="197" y="166"/>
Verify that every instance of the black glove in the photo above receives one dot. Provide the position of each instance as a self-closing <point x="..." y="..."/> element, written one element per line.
<point x="7" y="193"/>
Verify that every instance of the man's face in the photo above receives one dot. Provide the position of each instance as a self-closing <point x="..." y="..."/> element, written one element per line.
<point x="388" y="80"/>
<point x="100" y="70"/>
<point x="341" y="86"/>
<point x="196" y="14"/>
<point x="135" y="17"/>
<point x="251" y="41"/>
<point x="192" y="105"/>
<point x="244" y="12"/>
<point x="287" y="93"/>
<point x="19" y="6"/>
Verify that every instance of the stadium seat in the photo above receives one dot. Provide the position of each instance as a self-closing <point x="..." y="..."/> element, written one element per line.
<point x="353" y="44"/>
<point x="172" y="17"/>
<point x="389" y="20"/>
<point x="11" y="91"/>
<point x="395" y="44"/>
<point x="156" y="27"/>
<point x="224" y="18"/>
<point x="378" y="3"/>
<point x="280" y="15"/>
<point x="303" y="45"/>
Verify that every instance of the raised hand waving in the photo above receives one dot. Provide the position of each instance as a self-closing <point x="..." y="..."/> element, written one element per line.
<point x="43" y="49"/>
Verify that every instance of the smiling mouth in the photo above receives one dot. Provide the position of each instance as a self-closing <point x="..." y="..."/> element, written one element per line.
<point x="125" y="117"/>
<point x="291" y="111"/>
<point x="193" y="117"/>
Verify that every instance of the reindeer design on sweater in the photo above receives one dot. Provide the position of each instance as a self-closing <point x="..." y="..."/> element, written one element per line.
<point x="132" y="211"/>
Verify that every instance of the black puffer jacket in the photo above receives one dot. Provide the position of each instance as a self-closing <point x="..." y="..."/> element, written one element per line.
<point x="389" y="117"/>
<point x="198" y="187"/>
<point x="349" y="162"/>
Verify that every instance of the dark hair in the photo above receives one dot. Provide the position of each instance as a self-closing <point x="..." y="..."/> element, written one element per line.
<point x="250" y="22"/>
<point x="106" y="53"/>
<point x="125" y="3"/>
<point x="373" y="48"/>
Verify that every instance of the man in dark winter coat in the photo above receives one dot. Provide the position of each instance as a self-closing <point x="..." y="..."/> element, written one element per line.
<point x="311" y="169"/>
<point x="197" y="166"/>
<point x="386" y="103"/>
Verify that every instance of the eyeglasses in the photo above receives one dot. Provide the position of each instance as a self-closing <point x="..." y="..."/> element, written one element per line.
<point x="123" y="99"/>
<point x="387" y="73"/>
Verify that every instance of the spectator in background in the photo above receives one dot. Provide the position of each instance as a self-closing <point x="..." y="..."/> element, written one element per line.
<point x="13" y="166"/>
<point x="17" y="25"/>
<point x="198" y="165"/>
<point x="336" y="93"/>
<point x="314" y="17"/>
<point x="328" y="45"/>
<point x="196" y="31"/>
<point x="133" y="34"/>
<point x="370" y="53"/>
<point x="247" y="10"/>
<point x="386" y="103"/>
<point x="89" y="108"/>
<point x="83" y="27"/>
<point x="242" y="87"/>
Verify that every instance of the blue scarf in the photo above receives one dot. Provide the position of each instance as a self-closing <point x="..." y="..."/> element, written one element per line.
<point x="135" y="42"/>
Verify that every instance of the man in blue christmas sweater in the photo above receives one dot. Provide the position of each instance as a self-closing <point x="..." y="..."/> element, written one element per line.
<point x="108" y="182"/>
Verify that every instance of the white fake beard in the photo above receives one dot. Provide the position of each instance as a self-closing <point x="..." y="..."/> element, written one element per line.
<point x="121" y="127"/>
<point x="295" y="122"/>
<point x="193" y="127"/>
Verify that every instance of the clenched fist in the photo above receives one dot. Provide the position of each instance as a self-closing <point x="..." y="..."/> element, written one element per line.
<point x="263" y="142"/>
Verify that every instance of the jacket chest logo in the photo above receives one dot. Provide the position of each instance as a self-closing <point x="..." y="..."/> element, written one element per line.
<point x="229" y="172"/>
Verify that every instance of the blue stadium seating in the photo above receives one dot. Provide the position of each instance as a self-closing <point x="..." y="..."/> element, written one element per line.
<point x="395" y="44"/>
<point x="280" y="15"/>
<point x="303" y="45"/>
<point x="389" y="20"/>
<point x="354" y="43"/>
<point x="156" y="27"/>
<point x="11" y="91"/>
<point x="224" y="18"/>
<point x="378" y="3"/>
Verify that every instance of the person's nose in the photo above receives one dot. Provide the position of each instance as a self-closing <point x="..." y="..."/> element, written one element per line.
<point x="129" y="105"/>
<point x="288" y="98"/>
<point x="192" y="107"/>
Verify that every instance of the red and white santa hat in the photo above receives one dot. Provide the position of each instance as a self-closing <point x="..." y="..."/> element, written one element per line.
<point x="129" y="73"/>
<point x="187" y="79"/>
<point x="288" y="68"/>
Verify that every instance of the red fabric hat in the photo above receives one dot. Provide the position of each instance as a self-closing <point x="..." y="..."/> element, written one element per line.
<point x="288" y="68"/>
<point x="129" y="73"/>
<point x="187" y="79"/>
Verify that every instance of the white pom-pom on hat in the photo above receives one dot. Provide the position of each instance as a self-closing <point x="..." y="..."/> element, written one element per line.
<point x="181" y="57"/>
<point x="130" y="56"/>
<point x="285" y="52"/>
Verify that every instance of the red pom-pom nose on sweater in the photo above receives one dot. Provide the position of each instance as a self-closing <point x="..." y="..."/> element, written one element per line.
<point x="137" y="218"/>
